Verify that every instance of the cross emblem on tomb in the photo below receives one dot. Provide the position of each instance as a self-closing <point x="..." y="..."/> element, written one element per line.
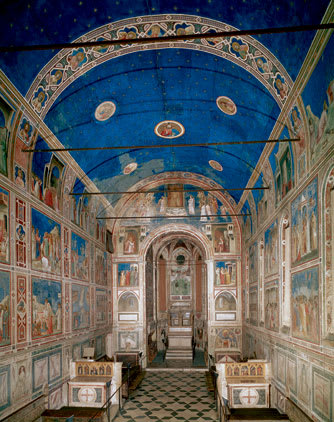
<point x="246" y="396"/>
<point x="87" y="395"/>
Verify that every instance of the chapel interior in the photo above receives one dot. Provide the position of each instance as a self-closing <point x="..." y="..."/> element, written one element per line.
<point x="168" y="202"/>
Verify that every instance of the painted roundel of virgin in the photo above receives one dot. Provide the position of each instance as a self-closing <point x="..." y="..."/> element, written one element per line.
<point x="226" y="105"/>
<point x="169" y="129"/>
<point x="104" y="111"/>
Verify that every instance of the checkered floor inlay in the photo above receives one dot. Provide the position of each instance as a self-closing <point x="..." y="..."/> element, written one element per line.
<point x="170" y="396"/>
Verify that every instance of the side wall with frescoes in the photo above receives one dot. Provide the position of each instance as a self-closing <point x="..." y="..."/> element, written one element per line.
<point x="55" y="294"/>
<point x="288" y="254"/>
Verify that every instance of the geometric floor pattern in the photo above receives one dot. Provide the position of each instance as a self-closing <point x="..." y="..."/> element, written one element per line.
<point x="170" y="396"/>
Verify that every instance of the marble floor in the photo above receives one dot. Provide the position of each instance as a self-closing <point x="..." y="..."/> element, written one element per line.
<point x="171" y="396"/>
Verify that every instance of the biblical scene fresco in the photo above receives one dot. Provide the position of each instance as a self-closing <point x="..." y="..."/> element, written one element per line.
<point x="305" y="305"/>
<point x="4" y="226"/>
<point x="247" y="220"/>
<point x="223" y="238"/>
<point x="46" y="176"/>
<point x="45" y="243"/>
<point x="80" y="206"/>
<point x="253" y="305"/>
<point x="320" y="107"/>
<point x="173" y="201"/>
<point x="46" y="308"/>
<point x="6" y="115"/>
<point x="101" y="306"/>
<point x="253" y="263"/>
<point x="79" y="257"/>
<point x="4" y="308"/>
<point x="127" y="275"/>
<point x="226" y="273"/>
<point x="304" y="227"/>
<point x="228" y="338"/>
<point x="80" y="307"/>
<point x="281" y="160"/>
<point x="101" y="267"/>
<point x="271" y="250"/>
<point x="225" y="302"/>
<point x="131" y="241"/>
<point x="271" y="306"/>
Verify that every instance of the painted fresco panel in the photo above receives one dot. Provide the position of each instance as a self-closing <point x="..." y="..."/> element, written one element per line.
<point x="5" y="310"/>
<point x="40" y="372"/>
<point x="128" y="340"/>
<point x="253" y="305"/>
<point x="80" y="307"/>
<point x="21" y="308"/>
<point x="291" y="374"/>
<point x="271" y="306"/>
<point x="5" y="387"/>
<point x="101" y="267"/>
<point x="79" y="258"/>
<point x="305" y="305"/>
<point x="321" y="387"/>
<point x="101" y="306"/>
<point x="21" y="380"/>
<point x="80" y="206"/>
<point x="4" y="226"/>
<point x="47" y="174"/>
<point x="127" y="275"/>
<point x="281" y="368"/>
<point x="55" y="366"/>
<point x="21" y="233"/>
<point x="253" y="263"/>
<point x="303" y="382"/>
<point x="271" y="250"/>
<point x="45" y="243"/>
<point x="304" y="227"/>
<point x="222" y="241"/>
<point x="227" y="338"/>
<point x="128" y="302"/>
<point x="226" y="273"/>
<point x="46" y="308"/>
<point x="225" y="302"/>
<point x="131" y="241"/>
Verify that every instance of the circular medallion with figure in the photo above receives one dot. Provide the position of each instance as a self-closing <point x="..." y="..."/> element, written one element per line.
<point x="215" y="165"/>
<point x="130" y="168"/>
<point x="169" y="129"/>
<point x="226" y="105"/>
<point x="104" y="111"/>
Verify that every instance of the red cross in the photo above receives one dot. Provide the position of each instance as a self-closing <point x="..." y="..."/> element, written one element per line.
<point x="88" y="393"/>
<point x="248" y="397"/>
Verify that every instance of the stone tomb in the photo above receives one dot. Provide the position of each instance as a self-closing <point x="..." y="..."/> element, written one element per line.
<point x="93" y="383"/>
<point x="245" y="384"/>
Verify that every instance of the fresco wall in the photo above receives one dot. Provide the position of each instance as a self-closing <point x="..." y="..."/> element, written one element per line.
<point x="290" y="272"/>
<point x="52" y="268"/>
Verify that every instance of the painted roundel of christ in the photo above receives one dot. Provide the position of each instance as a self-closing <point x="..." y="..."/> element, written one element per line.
<point x="215" y="165"/>
<point x="226" y="105"/>
<point x="104" y="111"/>
<point x="169" y="129"/>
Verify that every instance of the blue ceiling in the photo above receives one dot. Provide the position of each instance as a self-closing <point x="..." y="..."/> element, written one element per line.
<point x="151" y="86"/>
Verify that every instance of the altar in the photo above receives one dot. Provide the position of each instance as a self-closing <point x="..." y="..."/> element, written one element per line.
<point x="93" y="383"/>
<point x="245" y="384"/>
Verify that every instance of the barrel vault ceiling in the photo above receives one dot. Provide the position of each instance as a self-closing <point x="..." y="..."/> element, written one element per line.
<point x="186" y="92"/>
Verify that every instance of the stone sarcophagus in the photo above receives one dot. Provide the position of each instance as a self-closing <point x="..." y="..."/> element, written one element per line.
<point x="93" y="383"/>
<point x="245" y="384"/>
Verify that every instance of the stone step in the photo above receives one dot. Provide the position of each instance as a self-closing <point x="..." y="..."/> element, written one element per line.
<point x="179" y="353"/>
